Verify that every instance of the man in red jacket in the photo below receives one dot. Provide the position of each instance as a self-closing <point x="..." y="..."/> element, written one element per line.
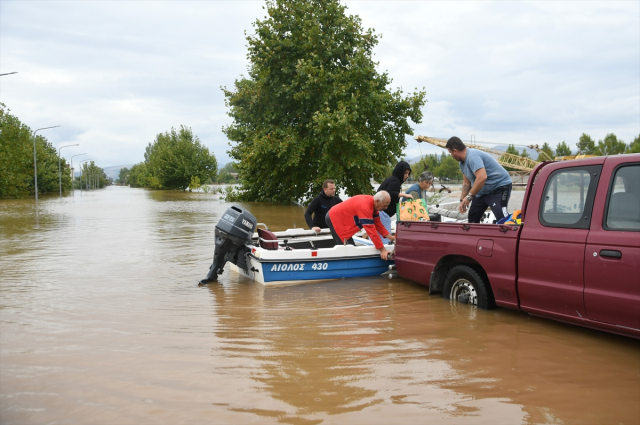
<point x="357" y="213"/>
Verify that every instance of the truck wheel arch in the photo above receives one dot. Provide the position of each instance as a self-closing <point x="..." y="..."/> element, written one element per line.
<point x="446" y="263"/>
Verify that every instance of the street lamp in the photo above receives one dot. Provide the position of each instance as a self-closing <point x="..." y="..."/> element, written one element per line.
<point x="9" y="73"/>
<point x="82" y="172"/>
<point x="59" y="170"/>
<point x="35" y="160"/>
<point x="72" y="174"/>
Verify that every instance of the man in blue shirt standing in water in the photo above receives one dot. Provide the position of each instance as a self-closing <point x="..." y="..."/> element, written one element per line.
<point x="485" y="183"/>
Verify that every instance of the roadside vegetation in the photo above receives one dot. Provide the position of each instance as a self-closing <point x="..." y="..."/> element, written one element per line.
<point x="16" y="160"/>
<point x="91" y="176"/>
<point x="175" y="160"/>
<point x="226" y="175"/>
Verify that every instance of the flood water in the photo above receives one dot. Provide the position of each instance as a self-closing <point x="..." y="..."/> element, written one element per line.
<point x="102" y="322"/>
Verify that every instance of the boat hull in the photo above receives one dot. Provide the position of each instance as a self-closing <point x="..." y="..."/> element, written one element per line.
<point x="320" y="270"/>
<point x="305" y="265"/>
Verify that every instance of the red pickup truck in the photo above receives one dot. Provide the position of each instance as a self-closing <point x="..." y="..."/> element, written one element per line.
<point x="575" y="258"/>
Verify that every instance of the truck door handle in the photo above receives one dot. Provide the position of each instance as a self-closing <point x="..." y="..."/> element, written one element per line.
<point x="610" y="253"/>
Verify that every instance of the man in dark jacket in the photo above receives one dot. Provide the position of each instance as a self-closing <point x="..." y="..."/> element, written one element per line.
<point x="320" y="205"/>
<point x="393" y="185"/>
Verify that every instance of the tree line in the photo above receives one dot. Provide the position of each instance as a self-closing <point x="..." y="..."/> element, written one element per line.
<point x="586" y="145"/>
<point x="444" y="166"/>
<point x="91" y="177"/>
<point x="611" y="145"/>
<point x="16" y="160"/>
<point x="175" y="160"/>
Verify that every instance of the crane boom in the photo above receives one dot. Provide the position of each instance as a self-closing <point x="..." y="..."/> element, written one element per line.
<point x="541" y="154"/>
<point x="505" y="159"/>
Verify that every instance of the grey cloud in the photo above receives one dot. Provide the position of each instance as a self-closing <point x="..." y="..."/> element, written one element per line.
<point x="115" y="74"/>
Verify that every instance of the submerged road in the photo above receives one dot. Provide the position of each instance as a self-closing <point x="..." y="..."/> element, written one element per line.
<point x="101" y="321"/>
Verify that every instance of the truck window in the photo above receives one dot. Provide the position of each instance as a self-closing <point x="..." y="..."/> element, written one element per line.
<point x="623" y="203"/>
<point x="568" y="197"/>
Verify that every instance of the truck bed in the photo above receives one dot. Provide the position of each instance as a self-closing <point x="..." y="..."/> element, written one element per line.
<point x="427" y="248"/>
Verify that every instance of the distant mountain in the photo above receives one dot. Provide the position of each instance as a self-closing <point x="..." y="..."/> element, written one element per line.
<point x="412" y="160"/>
<point x="112" y="171"/>
<point x="532" y="152"/>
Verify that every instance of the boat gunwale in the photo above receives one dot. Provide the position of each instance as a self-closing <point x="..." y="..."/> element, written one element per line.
<point x="312" y="259"/>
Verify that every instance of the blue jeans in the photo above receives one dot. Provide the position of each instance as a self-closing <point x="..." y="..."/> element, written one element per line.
<point x="386" y="222"/>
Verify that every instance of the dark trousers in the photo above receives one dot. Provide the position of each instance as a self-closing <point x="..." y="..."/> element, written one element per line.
<point x="496" y="200"/>
<point x="336" y="238"/>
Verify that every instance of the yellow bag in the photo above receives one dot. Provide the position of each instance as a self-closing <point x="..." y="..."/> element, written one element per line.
<point x="412" y="210"/>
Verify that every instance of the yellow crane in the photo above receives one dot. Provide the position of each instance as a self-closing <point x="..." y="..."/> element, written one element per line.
<point x="505" y="159"/>
<point x="545" y="156"/>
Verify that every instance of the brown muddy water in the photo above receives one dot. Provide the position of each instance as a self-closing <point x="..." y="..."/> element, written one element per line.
<point x="102" y="322"/>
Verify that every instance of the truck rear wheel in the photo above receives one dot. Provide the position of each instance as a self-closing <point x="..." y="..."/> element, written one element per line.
<point x="464" y="284"/>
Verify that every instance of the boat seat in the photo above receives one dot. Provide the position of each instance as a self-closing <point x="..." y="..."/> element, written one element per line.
<point x="270" y="236"/>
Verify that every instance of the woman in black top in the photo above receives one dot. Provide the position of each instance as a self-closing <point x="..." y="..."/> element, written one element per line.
<point x="393" y="185"/>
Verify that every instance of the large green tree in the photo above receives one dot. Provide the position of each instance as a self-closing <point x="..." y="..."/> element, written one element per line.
<point x="314" y="106"/>
<point x="176" y="157"/>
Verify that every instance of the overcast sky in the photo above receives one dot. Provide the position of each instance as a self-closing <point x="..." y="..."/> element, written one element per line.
<point x="116" y="73"/>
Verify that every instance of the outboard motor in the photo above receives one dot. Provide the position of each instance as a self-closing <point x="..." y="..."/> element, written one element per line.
<point x="233" y="231"/>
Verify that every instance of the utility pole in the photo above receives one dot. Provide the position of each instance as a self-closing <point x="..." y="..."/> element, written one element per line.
<point x="59" y="170"/>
